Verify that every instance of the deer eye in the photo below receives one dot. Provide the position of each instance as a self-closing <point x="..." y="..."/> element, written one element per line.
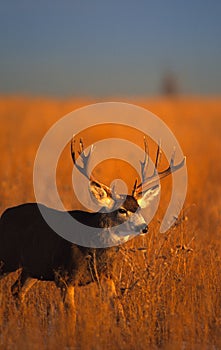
<point x="122" y="211"/>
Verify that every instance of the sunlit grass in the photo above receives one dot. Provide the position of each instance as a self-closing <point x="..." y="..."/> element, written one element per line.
<point x="168" y="284"/>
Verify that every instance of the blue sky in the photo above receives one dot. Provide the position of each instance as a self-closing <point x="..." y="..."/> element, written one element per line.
<point x="109" y="48"/>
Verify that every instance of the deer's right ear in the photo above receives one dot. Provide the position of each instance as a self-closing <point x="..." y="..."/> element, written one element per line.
<point x="101" y="194"/>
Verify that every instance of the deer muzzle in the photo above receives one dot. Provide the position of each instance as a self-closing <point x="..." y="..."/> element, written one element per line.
<point x="143" y="229"/>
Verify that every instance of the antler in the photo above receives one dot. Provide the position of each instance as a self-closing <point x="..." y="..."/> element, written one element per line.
<point x="85" y="158"/>
<point x="85" y="161"/>
<point x="148" y="181"/>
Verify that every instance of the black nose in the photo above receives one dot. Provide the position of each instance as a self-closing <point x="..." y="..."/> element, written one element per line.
<point x="145" y="229"/>
<point x="142" y="228"/>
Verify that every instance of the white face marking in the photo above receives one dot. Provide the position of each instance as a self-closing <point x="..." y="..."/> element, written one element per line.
<point x="136" y="219"/>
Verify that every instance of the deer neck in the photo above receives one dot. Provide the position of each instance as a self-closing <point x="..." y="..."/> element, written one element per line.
<point x="98" y="219"/>
<point x="86" y="218"/>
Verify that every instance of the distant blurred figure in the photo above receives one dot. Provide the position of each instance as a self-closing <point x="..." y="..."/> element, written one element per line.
<point x="169" y="84"/>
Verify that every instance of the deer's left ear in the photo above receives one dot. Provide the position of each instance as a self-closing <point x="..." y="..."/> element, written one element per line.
<point x="145" y="198"/>
<point x="101" y="194"/>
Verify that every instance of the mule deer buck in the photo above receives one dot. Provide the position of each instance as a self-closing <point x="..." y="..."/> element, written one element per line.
<point x="29" y="244"/>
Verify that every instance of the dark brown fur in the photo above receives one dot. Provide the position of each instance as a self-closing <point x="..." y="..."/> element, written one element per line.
<point x="29" y="243"/>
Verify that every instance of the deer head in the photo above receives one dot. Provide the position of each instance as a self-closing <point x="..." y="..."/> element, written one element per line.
<point x="120" y="209"/>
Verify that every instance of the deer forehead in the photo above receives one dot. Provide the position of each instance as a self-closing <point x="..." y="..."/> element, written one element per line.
<point x="130" y="204"/>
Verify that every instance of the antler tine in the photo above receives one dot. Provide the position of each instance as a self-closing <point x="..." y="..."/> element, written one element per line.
<point x="73" y="149"/>
<point x="134" y="187"/>
<point x="172" y="157"/>
<point x="143" y="165"/>
<point x="158" y="155"/>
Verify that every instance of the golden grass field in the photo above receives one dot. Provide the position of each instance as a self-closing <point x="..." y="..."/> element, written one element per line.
<point x="171" y="290"/>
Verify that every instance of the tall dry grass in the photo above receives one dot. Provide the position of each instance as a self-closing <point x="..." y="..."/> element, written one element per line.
<point x="168" y="284"/>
